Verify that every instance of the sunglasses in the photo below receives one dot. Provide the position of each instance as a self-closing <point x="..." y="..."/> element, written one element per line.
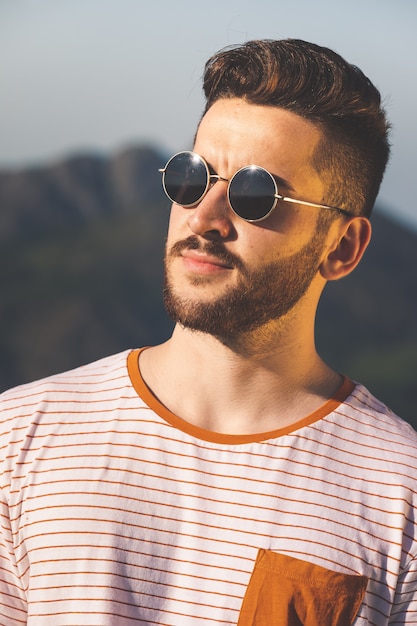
<point x="252" y="191"/>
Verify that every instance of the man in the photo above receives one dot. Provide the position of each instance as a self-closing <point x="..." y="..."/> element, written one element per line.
<point x="229" y="475"/>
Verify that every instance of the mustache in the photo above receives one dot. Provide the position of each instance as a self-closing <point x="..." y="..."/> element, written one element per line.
<point x="213" y="248"/>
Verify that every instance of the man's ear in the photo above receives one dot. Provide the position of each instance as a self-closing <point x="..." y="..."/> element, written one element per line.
<point x="348" y="248"/>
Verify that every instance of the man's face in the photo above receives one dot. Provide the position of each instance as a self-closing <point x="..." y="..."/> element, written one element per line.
<point x="225" y="276"/>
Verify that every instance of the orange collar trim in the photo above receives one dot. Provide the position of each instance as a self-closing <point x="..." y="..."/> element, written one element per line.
<point x="153" y="403"/>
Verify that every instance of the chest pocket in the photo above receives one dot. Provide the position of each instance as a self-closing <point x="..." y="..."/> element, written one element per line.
<point x="284" y="591"/>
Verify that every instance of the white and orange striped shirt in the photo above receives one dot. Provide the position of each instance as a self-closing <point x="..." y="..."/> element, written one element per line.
<point x="116" y="512"/>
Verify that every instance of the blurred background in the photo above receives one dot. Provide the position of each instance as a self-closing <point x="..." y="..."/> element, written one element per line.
<point x="95" y="95"/>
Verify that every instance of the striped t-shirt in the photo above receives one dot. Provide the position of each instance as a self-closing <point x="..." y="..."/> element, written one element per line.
<point x="114" y="511"/>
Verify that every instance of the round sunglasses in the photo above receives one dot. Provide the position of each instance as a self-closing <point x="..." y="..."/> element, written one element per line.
<point x="252" y="191"/>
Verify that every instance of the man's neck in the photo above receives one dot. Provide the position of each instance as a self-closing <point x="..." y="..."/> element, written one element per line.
<point x="240" y="386"/>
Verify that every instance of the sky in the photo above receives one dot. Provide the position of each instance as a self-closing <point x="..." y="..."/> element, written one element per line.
<point x="102" y="75"/>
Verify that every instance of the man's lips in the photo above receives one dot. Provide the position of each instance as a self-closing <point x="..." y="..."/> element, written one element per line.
<point x="209" y="256"/>
<point x="203" y="263"/>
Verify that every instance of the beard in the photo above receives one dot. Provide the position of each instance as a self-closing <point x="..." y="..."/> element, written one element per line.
<point x="259" y="296"/>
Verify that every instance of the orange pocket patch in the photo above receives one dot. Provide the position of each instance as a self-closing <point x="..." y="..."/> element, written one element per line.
<point x="284" y="591"/>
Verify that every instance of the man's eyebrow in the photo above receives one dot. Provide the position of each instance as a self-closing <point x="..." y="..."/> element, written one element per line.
<point x="281" y="182"/>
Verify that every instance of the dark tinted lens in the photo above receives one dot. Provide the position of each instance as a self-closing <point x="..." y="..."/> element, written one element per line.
<point x="252" y="193"/>
<point x="185" y="178"/>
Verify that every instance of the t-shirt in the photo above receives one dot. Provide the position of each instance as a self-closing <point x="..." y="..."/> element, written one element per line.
<point x="114" y="511"/>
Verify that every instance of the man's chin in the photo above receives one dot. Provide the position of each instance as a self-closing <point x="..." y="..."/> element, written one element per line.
<point x="196" y="294"/>
<point x="216" y="317"/>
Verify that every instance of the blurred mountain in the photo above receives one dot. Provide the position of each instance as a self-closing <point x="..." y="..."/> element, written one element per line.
<point x="81" y="245"/>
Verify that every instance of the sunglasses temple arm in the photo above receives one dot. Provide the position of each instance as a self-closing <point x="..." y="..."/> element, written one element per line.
<point x="313" y="204"/>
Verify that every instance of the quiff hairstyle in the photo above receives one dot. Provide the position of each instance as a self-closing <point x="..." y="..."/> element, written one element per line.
<point x="320" y="86"/>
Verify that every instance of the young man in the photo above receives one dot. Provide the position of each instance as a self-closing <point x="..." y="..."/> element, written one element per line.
<point x="229" y="475"/>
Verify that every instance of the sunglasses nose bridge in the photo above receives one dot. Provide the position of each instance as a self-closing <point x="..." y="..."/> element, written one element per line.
<point x="214" y="178"/>
<point x="212" y="213"/>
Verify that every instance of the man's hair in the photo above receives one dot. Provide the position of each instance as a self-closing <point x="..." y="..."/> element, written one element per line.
<point x="320" y="86"/>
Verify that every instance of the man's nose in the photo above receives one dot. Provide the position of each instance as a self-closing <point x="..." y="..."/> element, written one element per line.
<point x="212" y="216"/>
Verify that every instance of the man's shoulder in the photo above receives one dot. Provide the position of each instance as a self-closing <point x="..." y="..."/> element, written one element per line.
<point x="89" y="378"/>
<point x="373" y="419"/>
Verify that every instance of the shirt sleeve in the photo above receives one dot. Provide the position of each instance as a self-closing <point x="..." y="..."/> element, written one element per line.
<point x="13" y="606"/>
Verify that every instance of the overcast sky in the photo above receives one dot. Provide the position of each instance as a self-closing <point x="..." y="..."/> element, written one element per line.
<point x="79" y="75"/>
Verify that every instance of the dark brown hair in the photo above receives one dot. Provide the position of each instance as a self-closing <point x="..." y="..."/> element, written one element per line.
<point x="320" y="86"/>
